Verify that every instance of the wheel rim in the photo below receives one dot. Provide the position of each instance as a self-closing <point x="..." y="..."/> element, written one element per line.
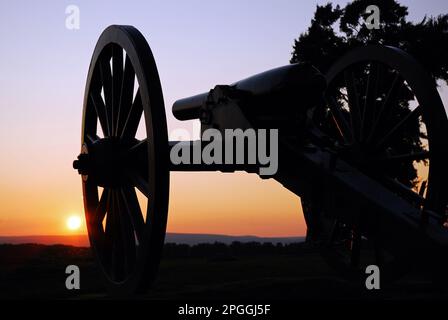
<point x="430" y="112"/>
<point x="381" y="105"/>
<point x="123" y="95"/>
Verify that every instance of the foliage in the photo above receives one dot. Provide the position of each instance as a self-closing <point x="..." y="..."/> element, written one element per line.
<point x="335" y="30"/>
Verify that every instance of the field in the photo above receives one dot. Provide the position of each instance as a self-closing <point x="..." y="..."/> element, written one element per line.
<point x="38" y="272"/>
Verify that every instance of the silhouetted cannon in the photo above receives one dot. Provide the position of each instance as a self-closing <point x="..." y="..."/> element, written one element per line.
<point x="364" y="146"/>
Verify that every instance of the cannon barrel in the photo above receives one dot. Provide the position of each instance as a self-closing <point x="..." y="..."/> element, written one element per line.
<point x="297" y="81"/>
<point x="189" y="108"/>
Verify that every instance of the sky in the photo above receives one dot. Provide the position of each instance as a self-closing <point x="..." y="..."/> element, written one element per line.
<point x="196" y="44"/>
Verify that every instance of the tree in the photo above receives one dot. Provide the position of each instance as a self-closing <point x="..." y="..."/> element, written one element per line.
<point x="335" y="30"/>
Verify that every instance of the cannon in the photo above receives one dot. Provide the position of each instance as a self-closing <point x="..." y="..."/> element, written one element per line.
<point x="364" y="146"/>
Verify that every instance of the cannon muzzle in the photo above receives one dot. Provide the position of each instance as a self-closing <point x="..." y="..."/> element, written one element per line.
<point x="189" y="108"/>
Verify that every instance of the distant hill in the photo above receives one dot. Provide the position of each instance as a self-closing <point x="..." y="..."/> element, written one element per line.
<point x="187" y="238"/>
<point x="72" y="240"/>
<point x="191" y="238"/>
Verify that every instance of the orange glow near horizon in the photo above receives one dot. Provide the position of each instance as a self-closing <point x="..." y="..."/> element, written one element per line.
<point x="213" y="203"/>
<point x="233" y="204"/>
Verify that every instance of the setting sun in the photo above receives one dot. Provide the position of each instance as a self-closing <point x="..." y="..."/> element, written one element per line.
<point x="74" y="222"/>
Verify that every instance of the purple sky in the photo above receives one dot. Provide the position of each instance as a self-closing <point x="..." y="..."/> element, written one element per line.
<point x="197" y="44"/>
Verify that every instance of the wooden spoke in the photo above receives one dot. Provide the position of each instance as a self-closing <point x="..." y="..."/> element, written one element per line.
<point x="97" y="208"/>
<point x="118" y="246"/>
<point x="370" y="99"/>
<point x="422" y="190"/>
<point x="353" y="103"/>
<point x="108" y="233"/>
<point x="398" y="127"/>
<point x="340" y="120"/>
<point x="131" y="125"/>
<point x="101" y="112"/>
<point x="133" y="209"/>
<point x="414" y="156"/>
<point x="355" y="248"/>
<point x="117" y="80"/>
<point x="116" y="212"/>
<point x="139" y="181"/>
<point x="127" y="232"/>
<point x="386" y="107"/>
<point x="393" y="91"/>
<point x="92" y="203"/>
<point x="108" y="228"/>
<point x="106" y="81"/>
<point x="127" y="90"/>
<point x="101" y="208"/>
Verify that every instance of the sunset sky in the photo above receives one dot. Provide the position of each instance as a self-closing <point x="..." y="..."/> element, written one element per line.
<point x="197" y="44"/>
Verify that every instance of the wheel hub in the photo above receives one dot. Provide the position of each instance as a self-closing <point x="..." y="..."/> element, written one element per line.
<point x="105" y="161"/>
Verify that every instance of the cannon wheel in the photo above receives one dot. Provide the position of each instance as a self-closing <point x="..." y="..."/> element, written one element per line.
<point x="122" y="87"/>
<point x="372" y="127"/>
